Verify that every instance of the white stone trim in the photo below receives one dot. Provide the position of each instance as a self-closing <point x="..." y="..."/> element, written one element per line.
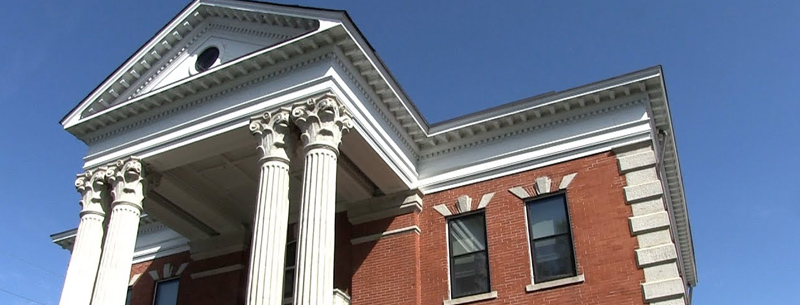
<point x="655" y="255"/>
<point x="485" y="200"/>
<point x="542" y="185"/>
<point x="519" y="192"/>
<point x="211" y="272"/>
<point x="642" y="191"/>
<point x="442" y="209"/>
<point x="181" y="268"/>
<point x="473" y="298"/>
<point x="650" y="223"/>
<point x="636" y="161"/>
<point x="663" y="289"/>
<point x="566" y="180"/>
<point x="463" y="204"/>
<point x="373" y="237"/>
<point x="154" y="275"/>
<point x="134" y="279"/>
<point x="580" y="278"/>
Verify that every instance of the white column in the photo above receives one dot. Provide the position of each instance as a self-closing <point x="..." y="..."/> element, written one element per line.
<point x="322" y="122"/>
<point x="127" y="189"/>
<point x="271" y="221"/>
<point x="85" y="258"/>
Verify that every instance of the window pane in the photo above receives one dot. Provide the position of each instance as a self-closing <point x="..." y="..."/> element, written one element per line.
<point x="291" y="254"/>
<point x="288" y="283"/>
<point x="467" y="234"/>
<point x="470" y="275"/>
<point x="553" y="258"/>
<point x="128" y="296"/>
<point x="166" y="293"/>
<point x="548" y="217"/>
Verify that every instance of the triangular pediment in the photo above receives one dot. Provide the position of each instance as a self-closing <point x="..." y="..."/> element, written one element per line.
<point x="234" y="28"/>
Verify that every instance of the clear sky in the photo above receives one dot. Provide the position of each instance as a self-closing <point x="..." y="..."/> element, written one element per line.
<point x="730" y="68"/>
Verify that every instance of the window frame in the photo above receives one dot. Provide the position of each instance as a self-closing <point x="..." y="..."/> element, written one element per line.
<point x="531" y="240"/>
<point x="155" y="288"/>
<point x="451" y="257"/>
<point x="288" y="268"/>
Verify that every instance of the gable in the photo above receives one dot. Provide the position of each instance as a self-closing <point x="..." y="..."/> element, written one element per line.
<point x="236" y="28"/>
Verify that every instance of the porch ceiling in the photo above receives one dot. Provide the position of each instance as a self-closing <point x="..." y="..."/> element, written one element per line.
<point x="209" y="189"/>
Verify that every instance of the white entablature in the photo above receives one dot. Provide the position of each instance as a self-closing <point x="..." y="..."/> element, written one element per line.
<point x="155" y="106"/>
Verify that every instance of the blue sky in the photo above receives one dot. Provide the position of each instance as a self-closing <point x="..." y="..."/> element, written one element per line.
<point x="731" y="69"/>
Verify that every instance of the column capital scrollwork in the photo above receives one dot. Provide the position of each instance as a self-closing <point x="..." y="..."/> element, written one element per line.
<point x="127" y="181"/>
<point x="322" y="121"/>
<point x="93" y="189"/>
<point x="273" y="133"/>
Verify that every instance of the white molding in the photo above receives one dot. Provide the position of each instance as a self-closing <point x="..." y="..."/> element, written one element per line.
<point x="580" y="278"/>
<point x="384" y="207"/>
<point x="216" y="271"/>
<point x="472" y="298"/>
<point x="382" y="235"/>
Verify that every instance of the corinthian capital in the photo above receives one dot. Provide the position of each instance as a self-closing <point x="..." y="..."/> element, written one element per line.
<point x="323" y="121"/>
<point x="127" y="181"/>
<point x="273" y="134"/>
<point x="94" y="191"/>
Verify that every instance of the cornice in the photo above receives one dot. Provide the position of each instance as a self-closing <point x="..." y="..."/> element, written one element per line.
<point x="509" y="133"/>
<point x="370" y="95"/>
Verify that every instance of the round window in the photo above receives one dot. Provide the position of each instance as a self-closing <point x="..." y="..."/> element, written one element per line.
<point x="206" y="59"/>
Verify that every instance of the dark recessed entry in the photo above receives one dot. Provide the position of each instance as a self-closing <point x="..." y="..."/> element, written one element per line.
<point x="206" y="59"/>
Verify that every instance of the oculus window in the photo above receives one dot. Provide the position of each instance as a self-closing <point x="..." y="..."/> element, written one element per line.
<point x="206" y="59"/>
<point x="551" y="238"/>
<point x="166" y="292"/>
<point x="469" y="260"/>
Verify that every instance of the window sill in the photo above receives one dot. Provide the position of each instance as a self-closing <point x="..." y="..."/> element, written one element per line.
<point x="473" y="298"/>
<point x="557" y="283"/>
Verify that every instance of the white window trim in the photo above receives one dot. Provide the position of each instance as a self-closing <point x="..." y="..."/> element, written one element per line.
<point x="472" y="298"/>
<point x="492" y="294"/>
<point x="556" y="283"/>
<point x="533" y="286"/>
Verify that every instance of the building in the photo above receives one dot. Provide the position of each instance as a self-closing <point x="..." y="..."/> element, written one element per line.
<point x="255" y="153"/>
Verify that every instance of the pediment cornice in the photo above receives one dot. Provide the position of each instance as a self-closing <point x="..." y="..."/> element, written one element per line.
<point x="156" y="54"/>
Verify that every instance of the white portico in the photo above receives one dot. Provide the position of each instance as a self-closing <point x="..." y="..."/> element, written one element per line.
<point x="241" y="119"/>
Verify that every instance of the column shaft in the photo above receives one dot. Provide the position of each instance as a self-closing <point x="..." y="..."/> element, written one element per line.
<point x="314" y="281"/>
<point x="115" y="263"/>
<point x="267" y="254"/>
<point x="84" y="261"/>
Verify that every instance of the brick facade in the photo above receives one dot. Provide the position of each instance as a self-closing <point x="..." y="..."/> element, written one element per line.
<point x="412" y="268"/>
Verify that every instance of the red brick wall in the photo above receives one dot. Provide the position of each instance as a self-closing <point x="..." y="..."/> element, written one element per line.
<point x="386" y="271"/>
<point x="144" y="288"/>
<point x="604" y="246"/>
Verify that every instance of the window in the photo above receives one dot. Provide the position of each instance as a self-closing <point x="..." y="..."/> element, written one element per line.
<point x="290" y="266"/>
<point x="166" y="292"/>
<point x="551" y="239"/>
<point x="128" y="295"/>
<point x="206" y="59"/>
<point x="289" y="271"/>
<point x="469" y="261"/>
